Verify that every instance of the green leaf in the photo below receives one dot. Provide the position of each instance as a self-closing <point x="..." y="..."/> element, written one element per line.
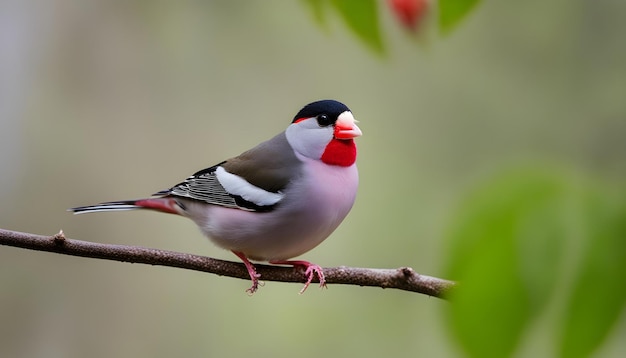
<point x="599" y="293"/>
<point x="451" y="12"/>
<point x="317" y="7"/>
<point x="361" y="16"/>
<point x="505" y="249"/>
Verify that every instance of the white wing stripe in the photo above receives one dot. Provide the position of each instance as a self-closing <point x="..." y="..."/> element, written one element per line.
<point x="237" y="185"/>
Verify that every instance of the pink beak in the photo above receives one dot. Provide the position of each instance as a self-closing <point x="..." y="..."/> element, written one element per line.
<point x="345" y="127"/>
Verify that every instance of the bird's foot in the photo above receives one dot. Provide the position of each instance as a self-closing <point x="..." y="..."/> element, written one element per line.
<point x="254" y="276"/>
<point x="310" y="271"/>
<point x="255" y="283"/>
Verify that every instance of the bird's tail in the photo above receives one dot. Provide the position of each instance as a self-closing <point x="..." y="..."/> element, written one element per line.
<point x="164" y="204"/>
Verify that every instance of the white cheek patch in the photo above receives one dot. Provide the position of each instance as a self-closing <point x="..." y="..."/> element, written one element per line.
<point x="308" y="138"/>
<point x="237" y="185"/>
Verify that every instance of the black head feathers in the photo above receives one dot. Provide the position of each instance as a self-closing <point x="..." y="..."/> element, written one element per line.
<point x="328" y="107"/>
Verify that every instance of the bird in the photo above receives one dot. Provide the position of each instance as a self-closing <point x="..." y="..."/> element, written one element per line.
<point x="273" y="202"/>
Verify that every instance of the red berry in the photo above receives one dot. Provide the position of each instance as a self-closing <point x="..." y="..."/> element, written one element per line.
<point x="409" y="12"/>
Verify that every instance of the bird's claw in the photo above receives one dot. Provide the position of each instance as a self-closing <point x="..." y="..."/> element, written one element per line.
<point x="310" y="272"/>
<point x="255" y="283"/>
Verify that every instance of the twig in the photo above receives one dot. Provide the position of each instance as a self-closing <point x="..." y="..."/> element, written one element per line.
<point x="403" y="278"/>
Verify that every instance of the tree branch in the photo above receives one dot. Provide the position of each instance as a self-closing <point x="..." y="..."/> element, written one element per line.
<point x="403" y="278"/>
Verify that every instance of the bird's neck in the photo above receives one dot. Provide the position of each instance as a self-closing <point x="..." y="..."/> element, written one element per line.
<point x="341" y="152"/>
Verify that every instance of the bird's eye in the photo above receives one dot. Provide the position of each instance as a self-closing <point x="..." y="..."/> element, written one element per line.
<point x="324" y="120"/>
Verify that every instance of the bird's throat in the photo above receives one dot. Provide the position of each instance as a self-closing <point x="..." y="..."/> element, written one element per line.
<point x="340" y="152"/>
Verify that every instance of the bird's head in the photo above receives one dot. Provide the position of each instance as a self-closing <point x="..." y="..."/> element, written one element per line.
<point x="325" y="130"/>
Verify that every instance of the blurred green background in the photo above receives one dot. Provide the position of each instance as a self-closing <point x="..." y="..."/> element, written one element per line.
<point x="107" y="100"/>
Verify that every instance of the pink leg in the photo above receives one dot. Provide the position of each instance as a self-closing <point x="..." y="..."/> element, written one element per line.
<point x="311" y="270"/>
<point x="251" y="271"/>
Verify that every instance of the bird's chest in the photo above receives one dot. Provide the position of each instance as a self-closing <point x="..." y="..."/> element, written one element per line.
<point x="325" y="192"/>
